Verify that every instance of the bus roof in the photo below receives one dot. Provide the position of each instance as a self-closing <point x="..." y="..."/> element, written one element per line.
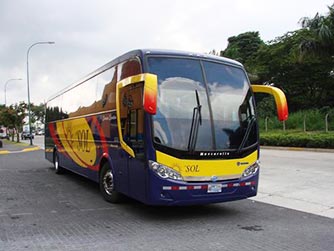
<point x="145" y="52"/>
<point x="188" y="54"/>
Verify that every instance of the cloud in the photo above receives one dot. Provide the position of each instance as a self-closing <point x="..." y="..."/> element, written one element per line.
<point x="89" y="34"/>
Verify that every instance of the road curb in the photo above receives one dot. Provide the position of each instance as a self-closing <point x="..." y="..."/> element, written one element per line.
<point x="4" y="152"/>
<point x="30" y="149"/>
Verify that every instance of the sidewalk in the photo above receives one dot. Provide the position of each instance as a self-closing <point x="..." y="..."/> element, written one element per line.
<point x="299" y="179"/>
<point x="292" y="148"/>
<point x="13" y="147"/>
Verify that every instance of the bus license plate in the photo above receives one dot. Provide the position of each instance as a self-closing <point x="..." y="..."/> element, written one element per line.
<point x="214" y="188"/>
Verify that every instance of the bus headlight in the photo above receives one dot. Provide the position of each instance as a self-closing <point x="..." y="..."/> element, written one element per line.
<point x="164" y="171"/>
<point x="251" y="169"/>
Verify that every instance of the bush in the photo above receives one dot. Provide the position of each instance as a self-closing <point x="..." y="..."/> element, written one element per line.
<point x="298" y="139"/>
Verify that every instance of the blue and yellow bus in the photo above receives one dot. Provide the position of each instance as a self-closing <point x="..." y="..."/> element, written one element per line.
<point x="162" y="127"/>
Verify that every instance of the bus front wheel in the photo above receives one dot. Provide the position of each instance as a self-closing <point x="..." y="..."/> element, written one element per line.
<point x="107" y="185"/>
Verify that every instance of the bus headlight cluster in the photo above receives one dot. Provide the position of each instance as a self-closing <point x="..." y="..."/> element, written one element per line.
<point x="164" y="171"/>
<point x="251" y="169"/>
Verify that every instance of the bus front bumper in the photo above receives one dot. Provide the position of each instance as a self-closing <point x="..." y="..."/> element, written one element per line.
<point x="170" y="192"/>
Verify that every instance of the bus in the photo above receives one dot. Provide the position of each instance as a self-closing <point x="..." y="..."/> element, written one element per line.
<point x="162" y="127"/>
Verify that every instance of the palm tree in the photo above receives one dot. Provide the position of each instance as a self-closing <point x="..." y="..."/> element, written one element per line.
<point x="319" y="34"/>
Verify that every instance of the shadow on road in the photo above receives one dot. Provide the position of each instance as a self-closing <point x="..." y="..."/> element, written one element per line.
<point x="159" y="213"/>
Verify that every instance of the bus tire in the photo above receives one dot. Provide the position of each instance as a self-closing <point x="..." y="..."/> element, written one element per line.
<point x="107" y="185"/>
<point x="57" y="167"/>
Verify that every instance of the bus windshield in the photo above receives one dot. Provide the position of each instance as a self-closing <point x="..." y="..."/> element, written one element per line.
<point x="220" y="93"/>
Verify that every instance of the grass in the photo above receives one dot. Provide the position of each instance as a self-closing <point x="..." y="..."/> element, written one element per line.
<point x="311" y="120"/>
<point x="9" y="142"/>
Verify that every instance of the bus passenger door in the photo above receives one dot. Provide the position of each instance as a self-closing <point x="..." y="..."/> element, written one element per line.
<point x="136" y="165"/>
<point x="132" y="130"/>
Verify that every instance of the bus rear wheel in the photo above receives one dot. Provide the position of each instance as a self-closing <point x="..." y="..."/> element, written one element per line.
<point x="107" y="185"/>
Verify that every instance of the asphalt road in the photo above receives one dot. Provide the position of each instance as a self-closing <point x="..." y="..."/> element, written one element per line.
<point x="40" y="210"/>
<point x="291" y="179"/>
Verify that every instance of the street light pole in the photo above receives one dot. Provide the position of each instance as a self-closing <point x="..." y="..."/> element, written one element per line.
<point x="12" y="79"/>
<point x="29" y="109"/>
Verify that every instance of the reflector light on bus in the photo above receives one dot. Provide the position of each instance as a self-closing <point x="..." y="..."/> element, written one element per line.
<point x="150" y="94"/>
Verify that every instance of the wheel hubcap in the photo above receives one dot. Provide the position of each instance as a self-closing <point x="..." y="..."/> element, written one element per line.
<point x="108" y="182"/>
<point x="56" y="163"/>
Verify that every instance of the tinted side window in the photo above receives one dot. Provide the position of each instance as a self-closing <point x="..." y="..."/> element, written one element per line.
<point x="54" y="110"/>
<point x="106" y="90"/>
<point x="128" y="68"/>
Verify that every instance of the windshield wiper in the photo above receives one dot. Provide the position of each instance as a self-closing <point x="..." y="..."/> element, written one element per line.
<point x="196" y="121"/>
<point x="248" y="130"/>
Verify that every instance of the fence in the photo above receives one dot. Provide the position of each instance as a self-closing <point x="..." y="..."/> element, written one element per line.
<point x="306" y="122"/>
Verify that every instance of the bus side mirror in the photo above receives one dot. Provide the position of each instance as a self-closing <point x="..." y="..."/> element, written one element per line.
<point x="279" y="96"/>
<point x="145" y="97"/>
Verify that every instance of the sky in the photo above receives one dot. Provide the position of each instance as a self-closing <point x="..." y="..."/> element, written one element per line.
<point x="90" y="33"/>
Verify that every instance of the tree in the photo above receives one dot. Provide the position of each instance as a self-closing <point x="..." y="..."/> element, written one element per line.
<point x="306" y="82"/>
<point x="320" y="34"/>
<point x="243" y="47"/>
<point x="13" y="118"/>
<point x="319" y="42"/>
<point x="38" y="112"/>
<point x="2" y="109"/>
<point x="300" y="62"/>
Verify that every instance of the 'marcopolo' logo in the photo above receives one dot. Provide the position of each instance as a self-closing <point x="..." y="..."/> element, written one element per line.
<point x="214" y="154"/>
